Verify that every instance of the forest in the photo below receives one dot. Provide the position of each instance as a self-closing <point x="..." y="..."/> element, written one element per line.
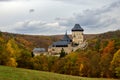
<point x="100" y="59"/>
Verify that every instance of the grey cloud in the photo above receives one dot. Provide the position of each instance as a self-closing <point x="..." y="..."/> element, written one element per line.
<point x="98" y="20"/>
<point x="75" y="1"/>
<point x="12" y="0"/>
<point x="31" y="10"/>
<point x="5" y="0"/>
<point x="92" y="20"/>
<point x="85" y="2"/>
<point x="28" y="26"/>
<point x="71" y="1"/>
<point x="38" y="27"/>
<point x="109" y="8"/>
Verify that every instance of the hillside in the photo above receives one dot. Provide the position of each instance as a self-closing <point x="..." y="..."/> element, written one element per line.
<point x="9" y="73"/>
<point x="32" y="41"/>
<point x="99" y="59"/>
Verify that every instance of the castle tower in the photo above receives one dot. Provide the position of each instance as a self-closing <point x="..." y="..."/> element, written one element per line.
<point x="77" y="34"/>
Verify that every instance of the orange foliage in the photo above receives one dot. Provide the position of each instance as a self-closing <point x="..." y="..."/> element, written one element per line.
<point x="109" y="48"/>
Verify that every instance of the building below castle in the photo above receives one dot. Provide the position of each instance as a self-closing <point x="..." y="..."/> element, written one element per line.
<point x="67" y="43"/>
<point x="39" y="51"/>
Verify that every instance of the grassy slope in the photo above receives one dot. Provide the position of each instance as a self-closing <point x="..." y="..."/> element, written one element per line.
<point x="8" y="73"/>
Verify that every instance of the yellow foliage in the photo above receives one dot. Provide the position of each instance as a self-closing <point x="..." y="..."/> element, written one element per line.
<point x="9" y="48"/>
<point x="81" y="67"/>
<point x="12" y="62"/>
<point x="12" y="48"/>
<point x="116" y="59"/>
<point x="1" y="39"/>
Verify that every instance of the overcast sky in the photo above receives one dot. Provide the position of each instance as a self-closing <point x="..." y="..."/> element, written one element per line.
<point x="49" y="17"/>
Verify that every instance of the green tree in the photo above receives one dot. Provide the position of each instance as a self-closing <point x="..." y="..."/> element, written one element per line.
<point x="62" y="53"/>
<point x="1" y="34"/>
<point x="71" y="66"/>
<point x="117" y="71"/>
<point x="51" y="61"/>
<point x="24" y="60"/>
<point x="97" y="45"/>
<point x="94" y="60"/>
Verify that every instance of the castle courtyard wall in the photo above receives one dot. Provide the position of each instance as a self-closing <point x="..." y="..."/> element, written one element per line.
<point x="55" y="50"/>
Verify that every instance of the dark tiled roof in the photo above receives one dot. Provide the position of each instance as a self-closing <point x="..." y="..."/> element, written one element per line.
<point x="63" y="42"/>
<point x="66" y="38"/>
<point x="77" y="27"/>
<point x="60" y="43"/>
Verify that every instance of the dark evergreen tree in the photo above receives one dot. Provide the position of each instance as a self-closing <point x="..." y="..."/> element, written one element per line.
<point x="0" y="34"/>
<point x="97" y="46"/>
<point x="62" y="53"/>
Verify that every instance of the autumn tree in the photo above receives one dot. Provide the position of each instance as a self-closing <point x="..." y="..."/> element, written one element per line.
<point x="59" y="66"/>
<point x="84" y="66"/>
<point x="106" y="58"/>
<point x="94" y="59"/>
<point x="7" y="54"/>
<point x="71" y="66"/>
<point x="24" y="59"/>
<point x="115" y="63"/>
<point x="11" y="62"/>
<point x="51" y="62"/>
<point x="117" y="71"/>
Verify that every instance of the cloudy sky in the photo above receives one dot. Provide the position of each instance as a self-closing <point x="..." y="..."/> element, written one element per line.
<point x="49" y="17"/>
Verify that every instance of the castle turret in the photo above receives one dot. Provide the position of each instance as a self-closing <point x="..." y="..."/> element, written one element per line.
<point x="77" y="34"/>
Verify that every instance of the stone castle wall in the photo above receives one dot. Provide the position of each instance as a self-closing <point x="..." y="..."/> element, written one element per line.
<point x="77" y="37"/>
<point x="55" y="50"/>
<point x="77" y="42"/>
<point x="69" y="49"/>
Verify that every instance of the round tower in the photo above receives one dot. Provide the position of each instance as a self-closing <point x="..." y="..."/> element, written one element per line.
<point x="77" y="34"/>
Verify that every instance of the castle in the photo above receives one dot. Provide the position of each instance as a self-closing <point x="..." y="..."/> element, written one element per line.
<point x="69" y="44"/>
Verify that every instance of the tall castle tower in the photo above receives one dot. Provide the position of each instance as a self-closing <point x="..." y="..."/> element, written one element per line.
<point x="77" y="34"/>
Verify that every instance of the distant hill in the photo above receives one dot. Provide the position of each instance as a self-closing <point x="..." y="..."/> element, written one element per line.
<point x="31" y="41"/>
<point x="110" y="35"/>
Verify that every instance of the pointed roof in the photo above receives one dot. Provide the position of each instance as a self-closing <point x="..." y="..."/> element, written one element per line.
<point x="66" y="37"/>
<point x="65" y="41"/>
<point x="77" y="27"/>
